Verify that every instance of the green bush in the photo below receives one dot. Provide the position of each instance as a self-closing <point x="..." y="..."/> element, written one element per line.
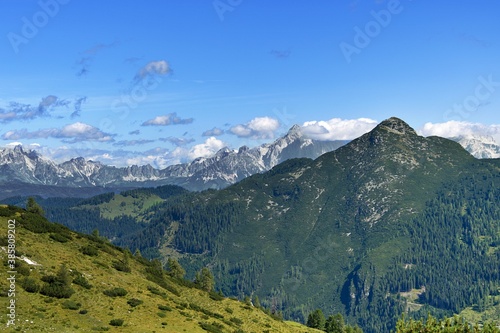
<point x="90" y="250"/>
<point x="164" y="307"/>
<point x="56" y="290"/>
<point x="30" y="285"/>
<point x="213" y="328"/>
<point x="71" y="305"/>
<point x="216" y="296"/>
<point x="121" y="266"/>
<point x="22" y="268"/>
<point x="237" y="321"/>
<point x="60" y="238"/>
<point x="133" y="302"/>
<point x="115" y="292"/>
<point x="116" y="322"/>
<point x="82" y="281"/>
<point x="156" y="291"/>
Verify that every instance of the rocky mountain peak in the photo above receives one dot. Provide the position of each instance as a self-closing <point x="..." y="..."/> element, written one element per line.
<point x="295" y="129"/>
<point x="18" y="149"/>
<point x="397" y="126"/>
<point x="243" y="149"/>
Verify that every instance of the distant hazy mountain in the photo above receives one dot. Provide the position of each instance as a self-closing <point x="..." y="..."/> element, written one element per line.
<point x="479" y="146"/>
<point x="20" y="168"/>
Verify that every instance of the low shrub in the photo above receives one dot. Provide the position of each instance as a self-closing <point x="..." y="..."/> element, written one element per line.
<point x="115" y="292"/>
<point x="116" y="322"/>
<point x="71" y="305"/>
<point x="30" y="285"/>
<point x="133" y="302"/>
<point x="89" y="250"/>
<point x="164" y="307"/>
<point x="60" y="238"/>
<point x="82" y="281"/>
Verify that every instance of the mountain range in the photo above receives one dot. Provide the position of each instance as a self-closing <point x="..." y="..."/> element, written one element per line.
<point x="29" y="173"/>
<point x="33" y="174"/>
<point x="389" y="223"/>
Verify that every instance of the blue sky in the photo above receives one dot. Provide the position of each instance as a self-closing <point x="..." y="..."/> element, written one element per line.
<point x="162" y="82"/>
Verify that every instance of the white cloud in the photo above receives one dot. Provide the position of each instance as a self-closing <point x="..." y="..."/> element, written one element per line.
<point x="206" y="149"/>
<point x="257" y="128"/>
<point x="159" y="161"/>
<point x="213" y="132"/>
<point x="455" y="128"/>
<point x="14" y="144"/>
<point x="168" y="119"/>
<point x="338" y="129"/>
<point x="160" y="67"/>
<point x="71" y="133"/>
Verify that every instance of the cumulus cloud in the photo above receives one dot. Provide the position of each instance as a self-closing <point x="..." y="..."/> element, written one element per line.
<point x="206" y="149"/>
<point x="338" y="129"/>
<point x="453" y="128"/>
<point x="76" y="132"/>
<point x="257" y="128"/>
<point x="168" y="119"/>
<point x="136" y="132"/>
<point x="213" y="132"/>
<point x="179" y="142"/>
<point x="153" y="68"/>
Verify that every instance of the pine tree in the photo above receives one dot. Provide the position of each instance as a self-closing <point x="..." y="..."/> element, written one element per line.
<point x="33" y="207"/>
<point x="316" y="319"/>
<point x="204" y="279"/>
<point x="256" y="301"/>
<point x="335" y="324"/>
<point x="175" y="269"/>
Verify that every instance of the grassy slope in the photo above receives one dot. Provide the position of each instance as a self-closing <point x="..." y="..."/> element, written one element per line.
<point x="38" y="313"/>
<point x="127" y="205"/>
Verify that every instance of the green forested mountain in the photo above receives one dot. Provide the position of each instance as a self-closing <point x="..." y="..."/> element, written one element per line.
<point x="388" y="224"/>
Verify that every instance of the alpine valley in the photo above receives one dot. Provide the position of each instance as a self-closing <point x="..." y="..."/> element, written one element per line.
<point x="390" y="223"/>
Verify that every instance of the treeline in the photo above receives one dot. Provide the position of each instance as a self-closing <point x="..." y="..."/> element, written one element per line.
<point x="332" y="324"/>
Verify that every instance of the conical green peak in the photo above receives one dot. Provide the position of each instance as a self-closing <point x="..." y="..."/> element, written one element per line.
<point x="397" y="126"/>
